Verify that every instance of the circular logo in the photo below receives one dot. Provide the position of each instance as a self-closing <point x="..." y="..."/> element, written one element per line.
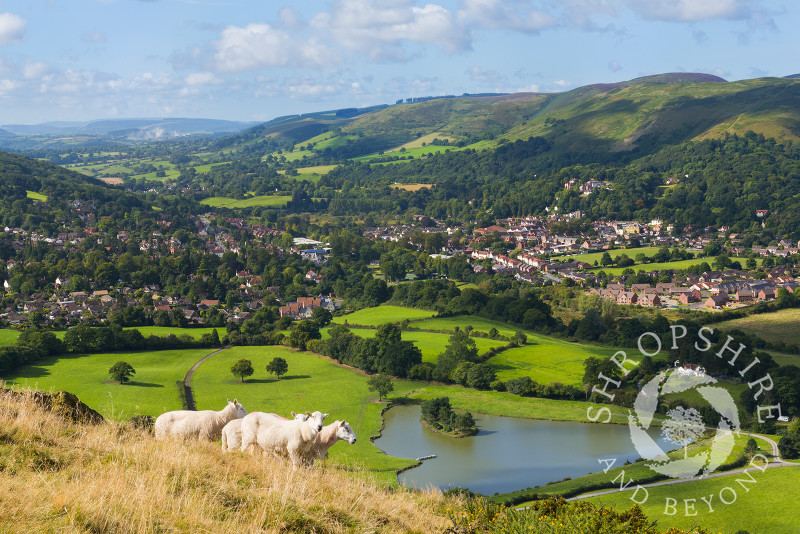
<point x="683" y="426"/>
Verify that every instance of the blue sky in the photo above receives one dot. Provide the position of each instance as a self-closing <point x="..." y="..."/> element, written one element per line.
<point x="77" y="60"/>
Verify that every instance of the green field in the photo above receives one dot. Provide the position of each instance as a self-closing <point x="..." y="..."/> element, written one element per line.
<point x="592" y="257"/>
<point x="774" y="326"/>
<point x="479" y="324"/>
<point x="770" y="506"/>
<point x="8" y="337"/>
<point x="36" y="196"/>
<point x="151" y="391"/>
<point x="548" y="360"/>
<point x="431" y="344"/>
<point x="162" y="331"/>
<point x="676" y="265"/>
<point x="383" y="314"/>
<point x="782" y="358"/>
<point x="204" y="169"/>
<point x="270" y="201"/>
<point x="311" y="384"/>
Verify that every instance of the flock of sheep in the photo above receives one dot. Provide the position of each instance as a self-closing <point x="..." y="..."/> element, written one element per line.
<point x="303" y="439"/>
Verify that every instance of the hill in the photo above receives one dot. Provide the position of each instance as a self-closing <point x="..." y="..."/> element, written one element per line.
<point x="132" y="128"/>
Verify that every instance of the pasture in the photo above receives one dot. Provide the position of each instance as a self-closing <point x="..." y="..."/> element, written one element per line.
<point x="151" y="390"/>
<point x="8" y="337"/>
<point x="312" y="383"/>
<point x="478" y="324"/>
<point x="163" y="331"/>
<point x="769" y="505"/>
<point x="270" y="201"/>
<point x="36" y="196"/>
<point x="383" y="314"/>
<point x="774" y="326"/>
<point x="412" y="187"/>
<point x="674" y="265"/>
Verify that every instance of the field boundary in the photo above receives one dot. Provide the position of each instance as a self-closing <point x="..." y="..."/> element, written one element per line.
<point x="188" y="378"/>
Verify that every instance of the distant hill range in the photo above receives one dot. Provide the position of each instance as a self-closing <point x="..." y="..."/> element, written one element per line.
<point x="134" y="129"/>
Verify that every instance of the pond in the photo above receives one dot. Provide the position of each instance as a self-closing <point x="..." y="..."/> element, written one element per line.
<point x="508" y="453"/>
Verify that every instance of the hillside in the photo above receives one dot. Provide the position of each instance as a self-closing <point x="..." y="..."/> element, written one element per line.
<point x="115" y="478"/>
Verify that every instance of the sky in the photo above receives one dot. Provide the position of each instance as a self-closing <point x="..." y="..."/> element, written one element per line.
<point x="254" y="60"/>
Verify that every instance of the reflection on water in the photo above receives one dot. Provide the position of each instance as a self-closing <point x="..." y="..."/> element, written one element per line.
<point x="508" y="453"/>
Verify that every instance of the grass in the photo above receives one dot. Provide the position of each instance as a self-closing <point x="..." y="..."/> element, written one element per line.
<point x="318" y="169"/>
<point x="774" y="326"/>
<point x="151" y="391"/>
<point x="382" y="314"/>
<point x="412" y="187"/>
<point x="204" y="169"/>
<point x="312" y="383"/>
<point x="271" y="201"/>
<point x="162" y="331"/>
<point x="58" y="476"/>
<point x="769" y="505"/>
<point x="785" y="359"/>
<point x="478" y="324"/>
<point x="36" y="196"/>
<point x="8" y="337"/>
<point x="676" y="265"/>
<point x="592" y="257"/>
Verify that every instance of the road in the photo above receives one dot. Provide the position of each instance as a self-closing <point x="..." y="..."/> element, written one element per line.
<point x="188" y="379"/>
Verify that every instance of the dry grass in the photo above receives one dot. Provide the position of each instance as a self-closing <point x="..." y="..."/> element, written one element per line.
<point x="59" y="476"/>
<point x="412" y="187"/>
<point x="112" y="181"/>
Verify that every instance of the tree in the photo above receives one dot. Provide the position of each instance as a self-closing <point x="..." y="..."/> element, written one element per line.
<point x="302" y="333"/>
<point x="121" y="372"/>
<point x="382" y="384"/>
<point x="322" y="316"/>
<point x="278" y="367"/>
<point x="684" y="426"/>
<point x="606" y="260"/>
<point x="242" y="368"/>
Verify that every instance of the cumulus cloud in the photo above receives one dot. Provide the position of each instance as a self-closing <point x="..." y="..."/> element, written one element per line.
<point x="517" y="15"/>
<point x="12" y="28"/>
<point x="690" y="10"/>
<point x="34" y="69"/>
<point x="202" y="78"/>
<point x="379" y="28"/>
<point x="257" y="46"/>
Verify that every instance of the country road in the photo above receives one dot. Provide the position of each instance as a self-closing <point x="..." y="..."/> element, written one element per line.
<point x="188" y="379"/>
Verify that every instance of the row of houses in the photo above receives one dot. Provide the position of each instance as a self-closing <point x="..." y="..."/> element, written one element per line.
<point x="303" y="307"/>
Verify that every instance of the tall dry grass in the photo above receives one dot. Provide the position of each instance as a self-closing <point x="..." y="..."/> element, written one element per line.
<point x="58" y="476"/>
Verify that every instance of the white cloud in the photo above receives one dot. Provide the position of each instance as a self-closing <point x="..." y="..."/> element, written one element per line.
<point x="7" y="86"/>
<point x="258" y="46"/>
<point x="614" y="66"/>
<point x="34" y="69"/>
<point x="202" y="78"/>
<point x="290" y="18"/>
<point x="690" y="10"/>
<point x="379" y="28"/>
<point x="485" y="77"/>
<point x="517" y="15"/>
<point x="12" y="28"/>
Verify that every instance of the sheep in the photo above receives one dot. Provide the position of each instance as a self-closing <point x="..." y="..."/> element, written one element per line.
<point x="326" y="438"/>
<point x="232" y="432"/>
<point x="205" y="425"/>
<point x="277" y="435"/>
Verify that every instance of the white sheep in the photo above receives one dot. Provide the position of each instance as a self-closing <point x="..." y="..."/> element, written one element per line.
<point x="276" y="435"/>
<point x="232" y="432"/>
<point x="205" y="425"/>
<point x="326" y="438"/>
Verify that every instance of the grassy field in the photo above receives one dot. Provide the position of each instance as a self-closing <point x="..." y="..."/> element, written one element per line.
<point x="162" y="331"/>
<point x="8" y="337"/>
<point x="412" y="187"/>
<point x="770" y="505"/>
<point x="382" y="314"/>
<point x="270" y="201"/>
<point x="592" y="257"/>
<point x="781" y="358"/>
<point x="547" y="360"/>
<point x="312" y="383"/>
<point x="774" y="326"/>
<point x="676" y="265"/>
<point x="36" y="196"/>
<point x="152" y="390"/>
<point x="431" y="344"/>
<point x="478" y="324"/>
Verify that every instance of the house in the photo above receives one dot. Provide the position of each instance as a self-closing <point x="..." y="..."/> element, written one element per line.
<point x="716" y="301"/>
<point x="627" y="297"/>
<point x="744" y="295"/>
<point x="766" y="293"/>
<point x="649" y="299"/>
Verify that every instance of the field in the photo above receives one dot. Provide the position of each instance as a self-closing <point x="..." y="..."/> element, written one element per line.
<point x="151" y="391"/>
<point x="431" y="344"/>
<point x="478" y="324"/>
<point x="270" y="201"/>
<point x="312" y="383"/>
<point x="774" y="326"/>
<point x="676" y="265"/>
<point x="8" y="337"/>
<point x="782" y="358"/>
<point x="162" y="331"/>
<point x="382" y="314"/>
<point x="412" y="187"/>
<point x="547" y="360"/>
<point x="592" y="257"/>
<point x="769" y="506"/>
<point x="36" y="196"/>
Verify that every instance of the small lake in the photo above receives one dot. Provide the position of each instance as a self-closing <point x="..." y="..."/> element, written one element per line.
<point x="508" y="453"/>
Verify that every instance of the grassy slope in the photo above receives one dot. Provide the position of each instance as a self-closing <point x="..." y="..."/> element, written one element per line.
<point x="275" y="201"/>
<point x="57" y="476"/>
<point x="152" y="390"/>
<point x="312" y="383"/>
<point x="769" y="506"/>
<point x="776" y="326"/>
<point x="382" y="314"/>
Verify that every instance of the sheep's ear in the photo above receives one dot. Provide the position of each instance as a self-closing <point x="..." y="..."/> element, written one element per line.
<point x="343" y="423"/>
<point x="308" y="414"/>
<point x="324" y="415"/>
<point x="235" y="401"/>
<point x="294" y="414"/>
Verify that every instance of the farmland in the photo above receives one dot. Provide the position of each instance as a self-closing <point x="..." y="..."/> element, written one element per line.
<point x="775" y="326"/>
<point x="383" y="314"/>
<point x="271" y="201"/>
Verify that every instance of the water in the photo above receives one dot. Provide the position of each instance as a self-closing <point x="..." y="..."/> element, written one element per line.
<point x="508" y="453"/>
